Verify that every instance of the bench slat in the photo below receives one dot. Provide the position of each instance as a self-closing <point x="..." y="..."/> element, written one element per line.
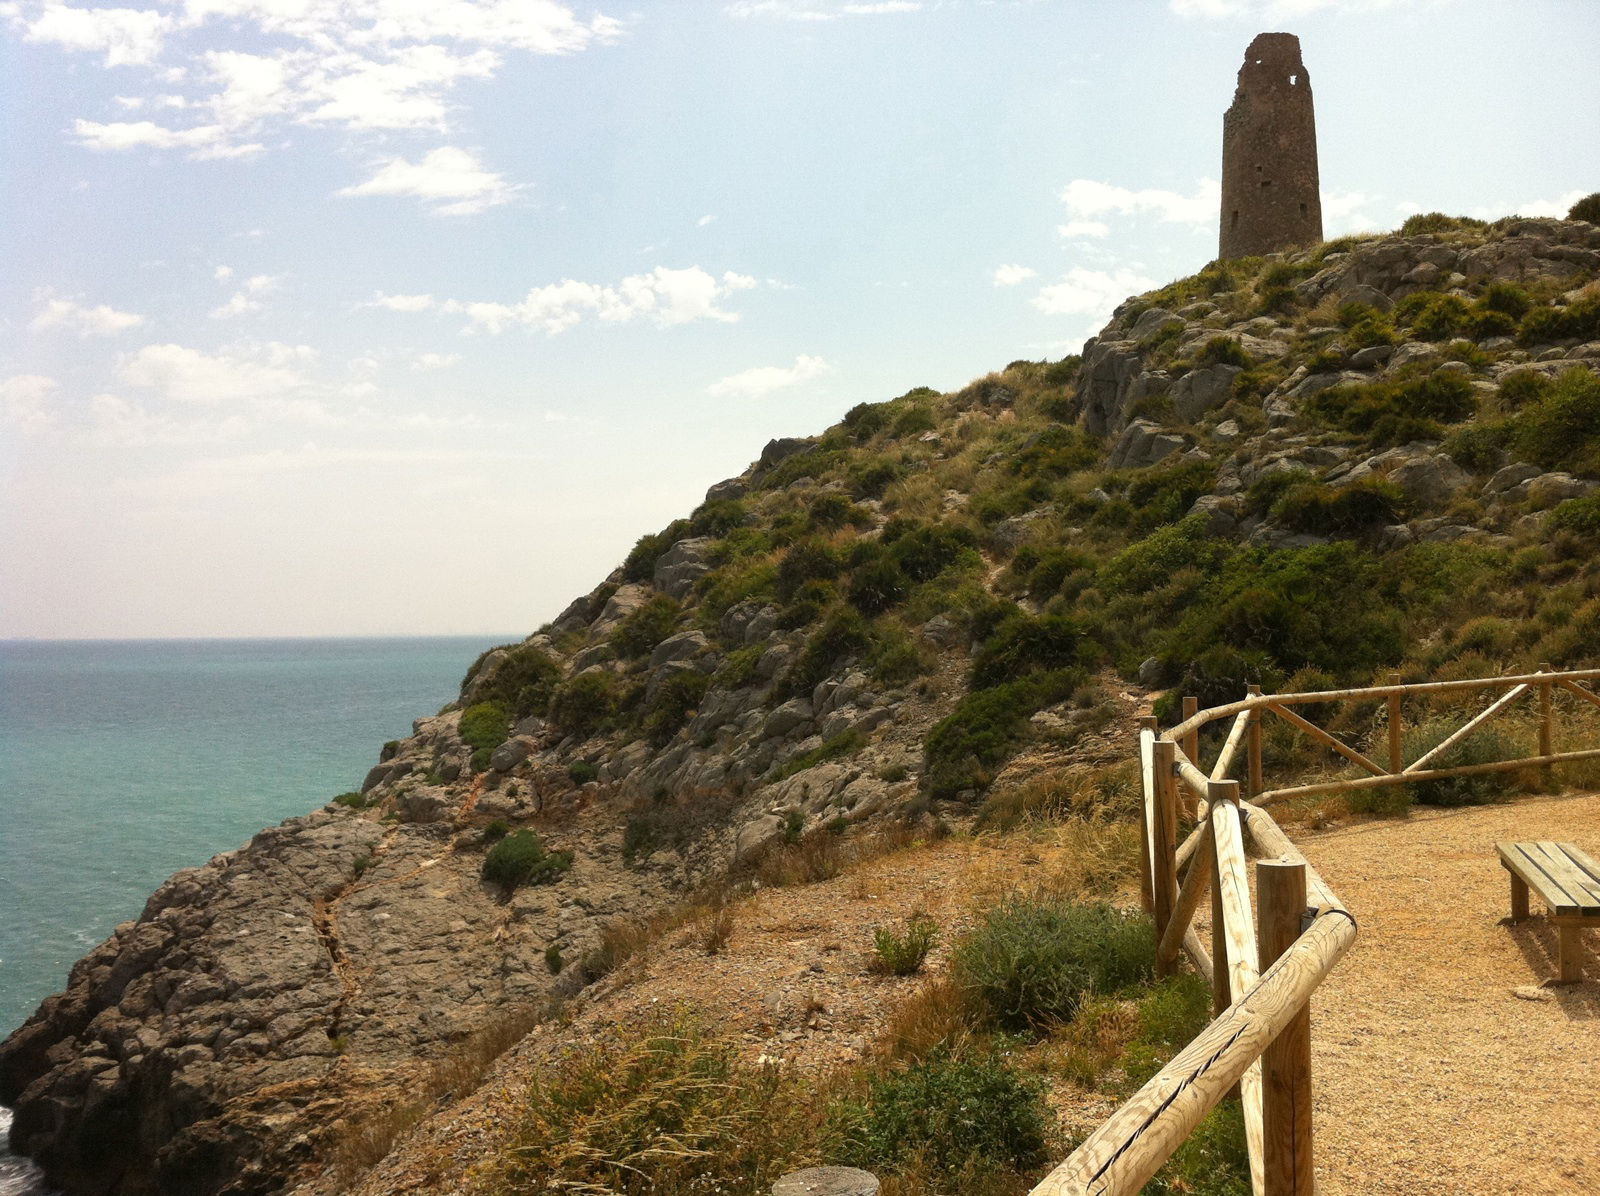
<point x="1563" y="884"/>
<point x="1581" y="858"/>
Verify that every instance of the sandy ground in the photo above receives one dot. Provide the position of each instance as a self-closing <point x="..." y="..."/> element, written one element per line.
<point x="1440" y="1066"/>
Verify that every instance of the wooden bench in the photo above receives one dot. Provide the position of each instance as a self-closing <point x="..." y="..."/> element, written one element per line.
<point x="1567" y="881"/>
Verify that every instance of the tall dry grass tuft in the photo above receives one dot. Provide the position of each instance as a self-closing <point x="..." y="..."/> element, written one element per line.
<point x="939" y="1014"/>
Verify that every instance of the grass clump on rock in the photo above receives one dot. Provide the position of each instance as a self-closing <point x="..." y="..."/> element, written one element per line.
<point x="483" y="728"/>
<point x="520" y="859"/>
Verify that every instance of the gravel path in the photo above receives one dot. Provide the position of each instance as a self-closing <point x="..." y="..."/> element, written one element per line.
<point x="1440" y="1066"/>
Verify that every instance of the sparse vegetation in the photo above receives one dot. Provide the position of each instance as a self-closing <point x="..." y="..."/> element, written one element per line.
<point x="521" y="859"/>
<point x="901" y="954"/>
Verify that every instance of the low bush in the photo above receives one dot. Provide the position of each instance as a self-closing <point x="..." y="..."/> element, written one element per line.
<point x="1575" y="321"/>
<point x="483" y="728"/>
<point x="1437" y="222"/>
<point x="581" y="772"/>
<point x="1318" y="509"/>
<point x="1391" y="413"/>
<point x="667" y="1108"/>
<point x="1023" y="645"/>
<point x="640" y="564"/>
<point x="1031" y="962"/>
<point x="955" y="1114"/>
<point x="878" y="586"/>
<point x="352" y="800"/>
<point x="522" y="681"/>
<point x="1483" y="746"/>
<point x="520" y="859"/>
<point x="497" y="829"/>
<point x="965" y="747"/>
<point x="923" y="552"/>
<point x="1560" y="429"/>
<point x="844" y="634"/>
<point x="675" y="702"/>
<point x="1576" y="516"/>
<point x="639" y="633"/>
<point x="1587" y="208"/>
<point x="899" y="954"/>
<point x="1224" y="350"/>
<point x="846" y="743"/>
<point x="583" y="705"/>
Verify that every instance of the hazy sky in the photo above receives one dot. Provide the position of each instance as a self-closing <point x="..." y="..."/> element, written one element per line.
<point x="330" y="317"/>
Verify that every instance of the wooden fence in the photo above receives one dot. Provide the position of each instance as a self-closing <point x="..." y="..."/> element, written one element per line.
<point x="1263" y="962"/>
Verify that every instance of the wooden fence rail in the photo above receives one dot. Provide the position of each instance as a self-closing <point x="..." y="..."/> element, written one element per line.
<point x="1263" y="965"/>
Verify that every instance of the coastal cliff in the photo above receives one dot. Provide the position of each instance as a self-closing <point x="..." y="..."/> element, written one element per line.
<point x="888" y="623"/>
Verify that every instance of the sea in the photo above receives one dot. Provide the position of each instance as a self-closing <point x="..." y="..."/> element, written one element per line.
<point x="122" y="761"/>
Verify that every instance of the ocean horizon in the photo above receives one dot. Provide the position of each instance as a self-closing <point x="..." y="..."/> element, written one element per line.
<point x="125" y="760"/>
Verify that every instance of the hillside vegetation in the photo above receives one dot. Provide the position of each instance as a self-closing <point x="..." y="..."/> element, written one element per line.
<point x="940" y="615"/>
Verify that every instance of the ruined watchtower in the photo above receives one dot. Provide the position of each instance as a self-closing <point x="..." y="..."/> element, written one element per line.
<point x="1270" y="198"/>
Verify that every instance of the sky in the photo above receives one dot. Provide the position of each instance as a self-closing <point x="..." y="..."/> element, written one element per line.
<point x="326" y="317"/>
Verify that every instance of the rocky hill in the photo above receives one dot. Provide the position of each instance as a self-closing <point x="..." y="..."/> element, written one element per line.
<point x="1301" y="471"/>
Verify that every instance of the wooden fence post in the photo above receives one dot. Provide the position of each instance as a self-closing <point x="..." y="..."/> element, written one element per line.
<point x="1286" y="1063"/>
<point x="1547" y="772"/>
<point x="1397" y="759"/>
<point x="1191" y="741"/>
<point x="1164" y="834"/>
<point x="1253" y="745"/>
<point x="1147" y="737"/>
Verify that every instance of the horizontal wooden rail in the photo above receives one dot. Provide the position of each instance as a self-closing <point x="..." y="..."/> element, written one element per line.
<point x="1429" y="774"/>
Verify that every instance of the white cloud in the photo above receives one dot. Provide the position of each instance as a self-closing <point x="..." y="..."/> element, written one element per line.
<point x="1557" y="207"/>
<point x="190" y="376"/>
<point x="117" y="135"/>
<point x="1345" y="212"/>
<point x="1077" y="229"/>
<point x="129" y="36"/>
<point x="665" y="297"/>
<point x="763" y="380"/>
<point x="24" y="402"/>
<point x="1087" y="198"/>
<point x="449" y="178"/>
<point x="99" y="320"/>
<point x="1094" y="293"/>
<point x="1010" y="276"/>
<point x="247" y="298"/>
<point x="222" y="273"/>
<point x="435" y="361"/>
<point x="409" y="303"/>
<point x="704" y="220"/>
<point x="377" y="64"/>
<point x="800" y="10"/>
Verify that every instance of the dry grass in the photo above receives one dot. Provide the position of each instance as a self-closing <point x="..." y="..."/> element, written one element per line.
<point x="940" y="1013"/>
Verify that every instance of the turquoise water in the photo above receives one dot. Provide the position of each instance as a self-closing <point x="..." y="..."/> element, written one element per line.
<point x="123" y="761"/>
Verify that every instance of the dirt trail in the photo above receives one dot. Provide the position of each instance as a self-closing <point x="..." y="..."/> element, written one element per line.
<point x="1440" y="1066"/>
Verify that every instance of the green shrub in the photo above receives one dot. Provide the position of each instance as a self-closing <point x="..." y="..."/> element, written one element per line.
<point x="1395" y="412"/>
<point x="639" y="633"/>
<point x="951" y="1113"/>
<point x="638" y="839"/>
<point x="844" y="634"/>
<point x="520" y="859"/>
<point x="1224" y="350"/>
<point x="923" y="552"/>
<point x="522" y="682"/>
<point x="1434" y="317"/>
<point x="1212" y="1161"/>
<point x="1023" y="645"/>
<point x="675" y="702"/>
<point x="1561" y="428"/>
<point x="866" y="420"/>
<point x="833" y="510"/>
<point x="738" y="668"/>
<point x="1031" y="962"/>
<point x="1438" y="222"/>
<point x="353" y="801"/>
<point x="964" y="748"/>
<point x="581" y="772"/>
<point x="871" y="476"/>
<point x="1219" y="673"/>
<point x="1479" y="446"/>
<point x="583" y="704"/>
<point x="1576" y="516"/>
<point x="1576" y="321"/>
<point x="497" y="829"/>
<point x="1587" y="208"/>
<point x="902" y="954"/>
<point x="1057" y="452"/>
<point x="805" y="561"/>
<point x="878" y="586"/>
<point x="1318" y="509"/>
<point x="718" y="517"/>
<point x="483" y="728"/>
<point x="640" y="564"/>
<point x="807" y="604"/>
<point x="1483" y="746"/>
<point x="913" y="421"/>
<point x="552" y="959"/>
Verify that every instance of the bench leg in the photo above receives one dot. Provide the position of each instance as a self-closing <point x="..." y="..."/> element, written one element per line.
<point x="1569" y="952"/>
<point x="1519" y="897"/>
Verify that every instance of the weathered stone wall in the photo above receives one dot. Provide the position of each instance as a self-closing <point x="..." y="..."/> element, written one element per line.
<point x="1270" y="195"/>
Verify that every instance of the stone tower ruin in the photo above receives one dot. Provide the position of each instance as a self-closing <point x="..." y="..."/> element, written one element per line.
<point x="1270" y="196"/>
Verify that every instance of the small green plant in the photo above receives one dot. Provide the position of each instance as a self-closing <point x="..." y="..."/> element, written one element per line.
<point x="1587" y="208"/>
<point x="1319" y="509"/>
<point x="496" y="830"/>
<point x="639" y="633"/>
<point x="638" y="839"/>
<point x="483" y="728"/>
<point x="352" y="800"/>
<point x="1224" y="350"/>
<point x="846" y="743"/>
<point x="361" y="864"/>
<point x="581" y="772"/>
<point x="552" y="959"/>
<point x="1483" y="746"/>
<point x="520" y="859"/>
<point x="902" y="954"/>
<point x="1031" y="962"/>
<point x="952" y="1113"/>
<point x="585" y="703"/>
